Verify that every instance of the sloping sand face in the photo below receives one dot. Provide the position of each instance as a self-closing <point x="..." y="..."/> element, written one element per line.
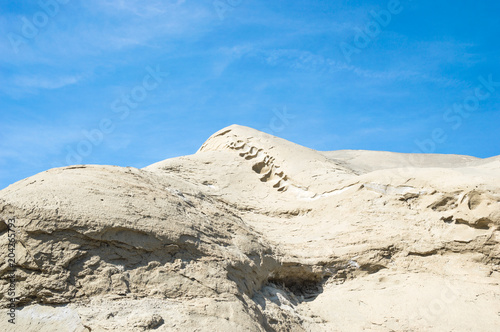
<point x="255" y="233"/>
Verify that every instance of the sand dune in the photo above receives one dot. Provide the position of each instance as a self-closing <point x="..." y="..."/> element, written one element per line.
<point x="255" y="233"/>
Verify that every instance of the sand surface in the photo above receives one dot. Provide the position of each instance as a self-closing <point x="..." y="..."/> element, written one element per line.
<point x="255" y="233"/>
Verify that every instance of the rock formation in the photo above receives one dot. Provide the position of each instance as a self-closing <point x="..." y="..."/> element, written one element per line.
<point x="255" y="233"/>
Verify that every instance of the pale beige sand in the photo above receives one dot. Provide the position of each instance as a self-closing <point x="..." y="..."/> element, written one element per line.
<point x="255" y="233"/>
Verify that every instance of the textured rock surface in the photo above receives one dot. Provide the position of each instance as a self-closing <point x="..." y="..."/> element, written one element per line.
<point x="254" y="233"/>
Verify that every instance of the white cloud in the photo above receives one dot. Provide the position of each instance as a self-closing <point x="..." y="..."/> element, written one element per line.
<point x="45" y="83"/>
<point x="102" y="27"/>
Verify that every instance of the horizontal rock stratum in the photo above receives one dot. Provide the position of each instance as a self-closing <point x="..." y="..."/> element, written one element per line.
<point x="255" y="233"/>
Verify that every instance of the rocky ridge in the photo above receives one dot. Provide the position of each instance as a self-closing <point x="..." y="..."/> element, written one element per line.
<point x="256" y="233"/>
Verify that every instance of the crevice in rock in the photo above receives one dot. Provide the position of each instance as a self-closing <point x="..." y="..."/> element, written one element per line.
<point x="304" y="281"/>
<point x="3" y="227"/>
<point x="444" y="204"/>
<point x="303" y="289"/>
<point x="482" y="223"/>
<point x="372" y="268"/>
<point x="424" y="253"/>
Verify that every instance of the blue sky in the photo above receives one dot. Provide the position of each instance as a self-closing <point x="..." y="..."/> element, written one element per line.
<point x="134" y="82"/>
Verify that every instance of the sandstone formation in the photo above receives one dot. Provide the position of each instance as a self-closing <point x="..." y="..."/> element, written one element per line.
<point x="255" y="233"/>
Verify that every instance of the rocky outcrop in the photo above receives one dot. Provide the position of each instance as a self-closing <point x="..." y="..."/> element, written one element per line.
<point x="256" y="233"/>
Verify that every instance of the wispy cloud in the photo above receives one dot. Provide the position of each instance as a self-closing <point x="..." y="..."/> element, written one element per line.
<point x="137" y="23"/>
<point x="137" y="7"/>
<point x="114" y="25"/>
<point x="45" y="82"/>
